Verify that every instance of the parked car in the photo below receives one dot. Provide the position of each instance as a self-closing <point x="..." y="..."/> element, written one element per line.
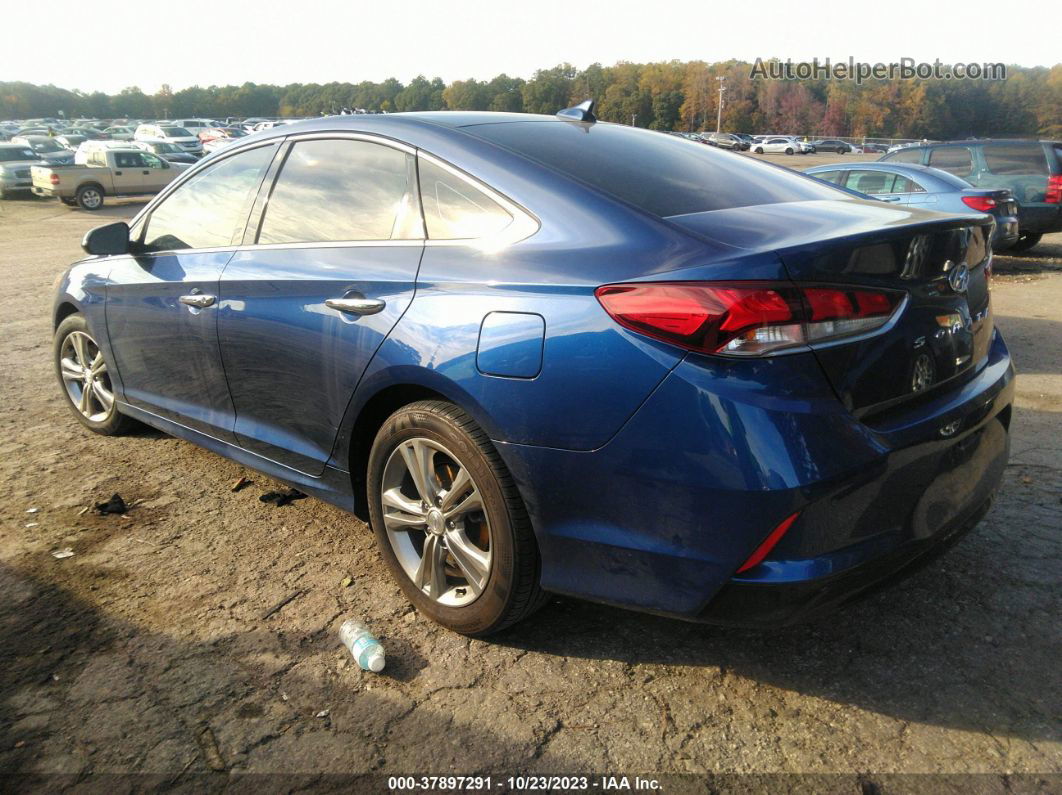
<point x="802" y="147"/>
<point x="15" y="163"/>
<point x="120" y="133"/>
<point x="724" y="392"/>
<point x="81" y="156"/>
<point x="928" y="189"/>
<point x="872" y="148"/>
<point x="195" y="126"/>
<point x="167" y="151"/>
<point x="832" y="145"/>
<point x="70" y="141"/>
<point x="47" y="149"/>
<point x="724" y="141"/>
<point x="109" y="172"/>
<point x="773" y="144"/>
<point x="170" y="134"/>
<point x="1031" y="170"/>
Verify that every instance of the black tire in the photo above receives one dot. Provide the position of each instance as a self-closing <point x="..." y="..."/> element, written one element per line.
<point x="89" y="197"/>
<point x="1025" y="242"/>
<point x="841" y="150"/>
<point x="69" y="202"/>
<point x="107" y="423"/>
<point x="511" y="592"/>
<point x="759" y="150"/>
<point x="788" y="151"/>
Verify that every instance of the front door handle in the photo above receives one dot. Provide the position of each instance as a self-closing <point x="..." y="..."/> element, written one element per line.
<point x="198" y="301"/>
<point x="357" y="306"/>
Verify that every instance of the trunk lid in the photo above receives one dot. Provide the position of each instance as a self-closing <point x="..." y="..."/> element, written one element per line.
<point x="940" y="335"/>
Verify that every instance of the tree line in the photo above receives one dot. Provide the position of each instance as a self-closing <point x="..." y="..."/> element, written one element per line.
<point x="673" y="95"/>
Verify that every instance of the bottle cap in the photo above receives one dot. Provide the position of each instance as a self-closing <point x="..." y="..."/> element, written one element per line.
<point x="376" y="662"/>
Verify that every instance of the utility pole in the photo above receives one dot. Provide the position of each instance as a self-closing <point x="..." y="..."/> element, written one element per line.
<point x="719" y="112"/>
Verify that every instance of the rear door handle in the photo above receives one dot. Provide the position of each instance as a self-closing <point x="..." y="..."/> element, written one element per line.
<point x="199" y="301"/>
<point x="356" y="306"/>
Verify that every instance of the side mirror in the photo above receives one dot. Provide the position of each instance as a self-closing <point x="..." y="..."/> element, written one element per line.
<point x="107" y="240"/>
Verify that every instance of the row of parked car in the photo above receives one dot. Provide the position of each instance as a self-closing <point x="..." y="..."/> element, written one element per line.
<point x="156" y="150"/>
<point x="780" y="144"/>
<point x="1017" y="182"/>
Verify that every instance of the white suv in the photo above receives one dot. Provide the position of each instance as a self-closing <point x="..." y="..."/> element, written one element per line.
<point x="171" y="134"/>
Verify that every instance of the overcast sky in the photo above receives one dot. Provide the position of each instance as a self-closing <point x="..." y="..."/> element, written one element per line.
<point x="110" y="44"/>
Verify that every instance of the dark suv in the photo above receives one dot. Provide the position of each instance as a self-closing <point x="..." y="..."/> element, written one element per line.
<point x="1031" y="170"/>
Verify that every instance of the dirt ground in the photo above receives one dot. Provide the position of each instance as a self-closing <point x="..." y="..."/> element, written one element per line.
<point x="148" y="650"/>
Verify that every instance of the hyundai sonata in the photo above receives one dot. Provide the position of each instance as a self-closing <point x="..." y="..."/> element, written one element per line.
<point x="553" y="355"/>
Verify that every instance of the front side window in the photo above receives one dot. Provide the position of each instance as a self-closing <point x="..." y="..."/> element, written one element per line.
<point x="339" y="190"/>
<point x="454" y="209"/>
<point x="953" y="159"/>
<point x="210" y="209"/>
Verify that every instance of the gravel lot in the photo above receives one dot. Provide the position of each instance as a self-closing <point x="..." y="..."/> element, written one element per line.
<point x="147" y="651"/>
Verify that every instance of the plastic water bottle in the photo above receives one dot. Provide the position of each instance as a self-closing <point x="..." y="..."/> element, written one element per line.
<point x="361" y="643"/>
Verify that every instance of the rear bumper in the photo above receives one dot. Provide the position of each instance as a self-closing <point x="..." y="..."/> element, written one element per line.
<point x="750" y="604"/>
<point x="661" y="517"/>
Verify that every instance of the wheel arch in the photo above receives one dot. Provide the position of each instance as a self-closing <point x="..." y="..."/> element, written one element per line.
<point x="364" y="427"/>
<point x="63" y="310"/>
<point x="91" y="184"/>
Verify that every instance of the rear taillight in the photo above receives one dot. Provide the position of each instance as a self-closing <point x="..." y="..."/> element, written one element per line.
<point x="54" y="179"/>
<point x="1054" y="189"/>
<point x="983" y="204"/>
<point x="745" y="319"/>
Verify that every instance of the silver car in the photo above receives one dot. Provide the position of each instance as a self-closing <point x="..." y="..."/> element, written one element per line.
<point x="15" y="163"/>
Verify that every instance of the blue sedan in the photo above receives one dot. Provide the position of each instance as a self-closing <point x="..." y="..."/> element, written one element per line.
<point x="552" y="355"/>
<point x="927" y="188"/>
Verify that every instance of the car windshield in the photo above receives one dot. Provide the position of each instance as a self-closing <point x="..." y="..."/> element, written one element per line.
<point x="9" y="153"/>
<point x="176" y="132"/>
<point x="657" y="173"/>
<point x="46" y="146"/>
<point x="167" y="148"/>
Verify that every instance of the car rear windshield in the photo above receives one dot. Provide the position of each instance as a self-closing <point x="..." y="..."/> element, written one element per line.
<point x="660" y="174"/>
<point x="1016" y="158"/>
<point x="8" y="154"/>
<point x="176" y="132"/>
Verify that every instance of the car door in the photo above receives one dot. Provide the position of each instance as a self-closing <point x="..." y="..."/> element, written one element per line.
<point x="329" y="267"/>
<point x="156" y="173"/>
<point x="162" y="300"/>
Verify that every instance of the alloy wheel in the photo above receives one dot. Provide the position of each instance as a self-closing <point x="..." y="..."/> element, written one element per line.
<point x="435" y="520"/>
<point x="85" y="376"/>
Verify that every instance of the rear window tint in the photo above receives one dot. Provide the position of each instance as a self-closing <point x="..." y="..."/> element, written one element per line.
<point x="1015" y="159"/>
<point x="953" y="159"/>
<point x="905" y="156"/>
<point x="661" y="174"/>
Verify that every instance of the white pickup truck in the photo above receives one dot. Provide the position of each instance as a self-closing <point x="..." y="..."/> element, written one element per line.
<point x="114" y="172"/>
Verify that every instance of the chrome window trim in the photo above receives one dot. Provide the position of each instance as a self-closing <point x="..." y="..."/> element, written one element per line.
<point x="524" y="224"/>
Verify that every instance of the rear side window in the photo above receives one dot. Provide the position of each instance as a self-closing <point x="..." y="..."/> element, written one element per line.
<point x="828" y="176"/>
<point x="337" y="190"/>
<point x="209" y="210"/>
<point x="660" y="174"/>
<point x="905" y="156"/>
<point x="1016" y="159"/>
<point x="953" y="159"/>
<point x="454" y="209"/>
